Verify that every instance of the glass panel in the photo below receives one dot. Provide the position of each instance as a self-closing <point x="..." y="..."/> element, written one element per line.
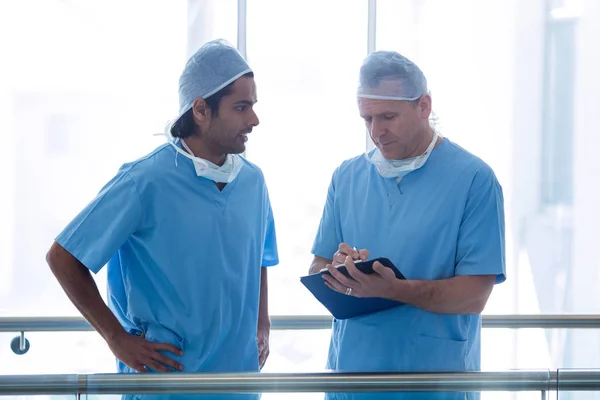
<point x="507" y="82"/>
<point x="74" y="113"/>
<point x="210" y="19"/>
<point x="306" y="74"/>
<point x="88" y="83"/>
<point x="85" y="87"/>
<point x="57" y="353"/>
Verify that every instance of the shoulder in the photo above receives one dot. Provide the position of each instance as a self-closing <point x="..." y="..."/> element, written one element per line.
<point x="251" y="176"/>
<point x="151" y="165"/>
<point x="452" y="157"/>
<point x="351" y="167"/>
<point x="252" y="169"/>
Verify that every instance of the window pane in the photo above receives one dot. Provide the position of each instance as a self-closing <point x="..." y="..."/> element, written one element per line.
<point x="86" y="85"/>
<point x="514" y="85"/>
<point x="306" y="74"/>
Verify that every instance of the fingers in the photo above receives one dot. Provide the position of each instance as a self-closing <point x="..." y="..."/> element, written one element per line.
<point x="339" y="258"/>
<point x="339" y="282"/>
<point x="140" y="368"/>
<point x="157" y="366"/>
<point x="338" y="279"/>
<point x="334" y="285"/>
<point x="164" y="360"/>
<point x="352" y="270"/>
<point x="154" y="360"/>
<point x="168" y="361"/>
<point x="345" y="249"/>
<point x="263" y="349"/>
<point x="363" y="254"/>
<point x="157" y="362"/>
<point x="262" y="358"/>
<point x="168" y="347"/>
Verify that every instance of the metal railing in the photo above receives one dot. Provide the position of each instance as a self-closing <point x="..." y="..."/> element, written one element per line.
<point x="176" y="383"/>
<point x="20" y="344"/>
<point x="295" y="322"/>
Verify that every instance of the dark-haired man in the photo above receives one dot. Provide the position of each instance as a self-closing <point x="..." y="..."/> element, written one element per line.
<point x="187" y="232"/>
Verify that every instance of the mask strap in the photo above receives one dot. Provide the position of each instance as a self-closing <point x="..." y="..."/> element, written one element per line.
<point x="185" y="146"/>
<point x="432" y="144"/>
<point x="176" y="153"/>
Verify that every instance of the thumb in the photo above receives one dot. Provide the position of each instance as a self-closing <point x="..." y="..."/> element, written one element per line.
<point x="385" y="272"/>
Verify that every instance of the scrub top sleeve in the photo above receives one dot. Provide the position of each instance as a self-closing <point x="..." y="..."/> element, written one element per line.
<point x="329" y="233"/>
<point x="481" y="241"/>
<point x="104" y="224"/>
<point x="270" y="254"/>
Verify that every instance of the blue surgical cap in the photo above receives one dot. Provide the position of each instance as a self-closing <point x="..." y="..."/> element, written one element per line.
<point x="215" y="65"/>
<point x="387" y="75"/>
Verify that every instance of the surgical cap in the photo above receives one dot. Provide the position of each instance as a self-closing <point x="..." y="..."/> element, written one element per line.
<point x="387" y="75"/>
<point x="215" y="65"/>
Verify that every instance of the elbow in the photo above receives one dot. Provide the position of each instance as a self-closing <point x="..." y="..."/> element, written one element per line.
<point x="477" y="308"/>
<point x="51" y="257"/>
<point x="478" y="305"/>
<point x="57" y="258"/>
<point x="480" y="299"/>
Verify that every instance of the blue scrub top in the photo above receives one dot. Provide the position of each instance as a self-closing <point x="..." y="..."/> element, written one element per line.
<point x="445" y="219"/>
<point x="184" y="258"/>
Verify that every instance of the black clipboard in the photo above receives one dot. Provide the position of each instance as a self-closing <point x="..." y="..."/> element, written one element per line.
<point x="342" y="306"/>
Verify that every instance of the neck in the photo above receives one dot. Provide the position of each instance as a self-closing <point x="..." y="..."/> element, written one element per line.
<point x="425" y="140"/>
<point x="202" y="150"/>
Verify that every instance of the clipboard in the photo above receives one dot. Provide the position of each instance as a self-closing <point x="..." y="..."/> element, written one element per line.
<point x="342" y="306"/>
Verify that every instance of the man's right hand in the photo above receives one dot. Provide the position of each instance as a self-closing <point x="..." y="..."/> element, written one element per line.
<point x="344" y="250"/>
<point x="139" y="354"/>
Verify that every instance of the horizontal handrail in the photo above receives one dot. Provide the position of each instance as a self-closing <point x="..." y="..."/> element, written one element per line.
<point x="294" y="322"/>
<point x="261" y="383"/>
<point x="537" y="380"/>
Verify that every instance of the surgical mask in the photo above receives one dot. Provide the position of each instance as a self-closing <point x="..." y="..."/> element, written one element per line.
<point x="204" y="168"/>
<point x="399" y="168"/>
<point x="226" y="173"/>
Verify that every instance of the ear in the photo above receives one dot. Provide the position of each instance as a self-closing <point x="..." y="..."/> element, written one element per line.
<point x="202" y="113"/>
<point x="424" y="106"/>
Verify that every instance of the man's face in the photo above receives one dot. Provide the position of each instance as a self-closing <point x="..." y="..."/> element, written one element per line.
<point x="228" y="129"/>
<point x="395" y="126"/>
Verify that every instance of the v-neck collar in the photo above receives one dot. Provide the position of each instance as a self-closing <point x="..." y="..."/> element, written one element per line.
<point x="395" y="189"/>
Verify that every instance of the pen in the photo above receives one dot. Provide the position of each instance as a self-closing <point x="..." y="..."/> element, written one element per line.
<point x="356" y="250"/>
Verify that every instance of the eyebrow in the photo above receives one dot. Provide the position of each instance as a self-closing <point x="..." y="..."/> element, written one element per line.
<point x="244" y="102"/>
<point x="381" y="114"/>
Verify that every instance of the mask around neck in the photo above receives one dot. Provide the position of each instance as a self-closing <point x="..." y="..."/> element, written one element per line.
<point x="399" y="168"/>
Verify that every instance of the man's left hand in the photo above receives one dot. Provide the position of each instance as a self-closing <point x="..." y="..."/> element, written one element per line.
<point x="262" y="339"/>
<point x="380" y="284"/>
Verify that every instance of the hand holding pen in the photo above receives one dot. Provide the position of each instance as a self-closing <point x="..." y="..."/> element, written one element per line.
<point x="344" y="250"/>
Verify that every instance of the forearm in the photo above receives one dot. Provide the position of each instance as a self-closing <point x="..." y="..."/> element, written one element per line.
<point x="458" y="295"/>
<point x="318" y="264"/>
<point x="263" y="307"/>
<point x="80" y="287"/>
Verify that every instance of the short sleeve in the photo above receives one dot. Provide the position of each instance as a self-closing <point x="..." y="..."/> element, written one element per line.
<point x="104" y="224"/>
<point x="270" y="254"/>
<point x="329" y="234"/>
<point x="481" y="241"/>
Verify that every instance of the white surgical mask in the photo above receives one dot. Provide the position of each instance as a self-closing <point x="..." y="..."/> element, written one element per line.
<point x="225" y="173"/>
<point x="399" y="168"/>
